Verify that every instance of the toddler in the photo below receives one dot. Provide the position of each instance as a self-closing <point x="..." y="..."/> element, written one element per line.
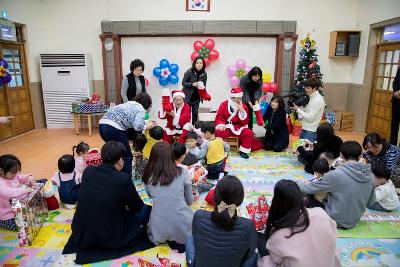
<point x="81" y="150"/>
<point x="385" y="192"/>
<point x="139" y="162"/>
<point x="67" y="180"/>
<point x="320" y="167"/>
<point x="10" y="187"/>
<point x="153" y="134"/>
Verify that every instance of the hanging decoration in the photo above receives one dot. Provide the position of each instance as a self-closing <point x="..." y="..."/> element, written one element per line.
<point x="167" y="73"/>
<point x="5" y="76"/>
<point x="237" y="71"/>
<point x="205" y="51"/>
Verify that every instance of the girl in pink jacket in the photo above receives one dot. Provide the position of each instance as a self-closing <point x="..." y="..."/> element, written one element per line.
<point x="296" y="236"/>
<point x="10" y="186"/>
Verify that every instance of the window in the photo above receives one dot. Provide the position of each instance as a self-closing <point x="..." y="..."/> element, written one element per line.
<point x="14" y="60"/>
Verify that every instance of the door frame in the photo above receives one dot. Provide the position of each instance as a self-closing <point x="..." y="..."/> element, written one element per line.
<point x="373" y="80"/>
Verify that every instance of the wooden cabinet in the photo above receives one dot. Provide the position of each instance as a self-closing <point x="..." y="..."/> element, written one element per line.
<point x="344" y="44"/>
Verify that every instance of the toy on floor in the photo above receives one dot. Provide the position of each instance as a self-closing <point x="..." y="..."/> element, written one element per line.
<point x="49" y="192"/>
<point x="30" y="213"/>
<point x="258" y="213"/>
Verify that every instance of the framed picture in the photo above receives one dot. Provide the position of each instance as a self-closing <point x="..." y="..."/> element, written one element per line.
<point x="340" y="49"/>
<point x="198" y="5"/>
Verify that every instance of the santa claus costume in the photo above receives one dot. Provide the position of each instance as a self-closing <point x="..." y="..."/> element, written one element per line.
<point x="179" y="124"/>
<point x="231" y="122"/>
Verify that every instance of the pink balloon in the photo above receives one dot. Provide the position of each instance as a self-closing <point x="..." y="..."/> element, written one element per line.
<point x="232" y="71"/>
<point x="274" y="87"/>
<point x="240" y="63"/>
<point x="247" y="69"/>
<point x="214" y="54"/>
<point x="209" y="44"/>
<point x="197" y="45"/>
<point x="147" y="83"/>
<point x="266" y="87"/>
<point x="234" y="81"/>
<point x="194" y="55"/>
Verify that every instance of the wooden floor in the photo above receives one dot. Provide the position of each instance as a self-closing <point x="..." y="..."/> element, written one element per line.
<point x="39" y="150"/>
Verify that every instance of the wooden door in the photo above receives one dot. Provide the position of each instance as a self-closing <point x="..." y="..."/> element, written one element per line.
<point x="380" y="107"/>
<point x="14" y="97"/>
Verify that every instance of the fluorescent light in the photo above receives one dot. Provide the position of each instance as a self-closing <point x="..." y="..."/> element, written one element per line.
<point x="386" y="33"/>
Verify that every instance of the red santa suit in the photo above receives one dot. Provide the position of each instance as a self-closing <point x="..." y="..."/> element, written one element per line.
<point x="176" y="125"/>
<point x="235" y="122"/>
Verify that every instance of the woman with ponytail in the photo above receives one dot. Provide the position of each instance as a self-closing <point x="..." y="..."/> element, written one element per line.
<point x="221" y="237"/>
<point x="297" y="236"/>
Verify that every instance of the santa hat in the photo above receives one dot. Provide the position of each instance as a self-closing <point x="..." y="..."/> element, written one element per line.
<point x="178" y="93"/>
<point x="236" y="92"/>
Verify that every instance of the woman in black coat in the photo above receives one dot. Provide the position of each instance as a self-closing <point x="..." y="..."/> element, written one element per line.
<point x="277" y="134"/>
<point x="110" y="219"/>
<point x="327" y="141"/>
<point x="190" y="82"/>
<point x="251" y="85"/>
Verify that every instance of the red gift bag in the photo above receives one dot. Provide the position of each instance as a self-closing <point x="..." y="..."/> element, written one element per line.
<point x="93" y="158"/>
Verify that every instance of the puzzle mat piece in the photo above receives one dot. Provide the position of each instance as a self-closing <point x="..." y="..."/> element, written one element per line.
<point x="364" y="229"/>
<point x="369" y="252"/>
<point x="4" y="251"/>
<point x="8" y="238"/>
<point x="19" y="257"/>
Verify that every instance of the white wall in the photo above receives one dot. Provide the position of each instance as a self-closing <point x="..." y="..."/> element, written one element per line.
<point x="74" y="26"/>
<point x="256" y="52"/>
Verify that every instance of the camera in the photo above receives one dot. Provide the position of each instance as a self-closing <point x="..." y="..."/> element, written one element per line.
<point x="298" y="99"/>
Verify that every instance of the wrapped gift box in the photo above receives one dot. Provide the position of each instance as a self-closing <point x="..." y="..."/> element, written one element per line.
<point x="30" y="213"/>
<point x="91" y="108"/>
<point x="330" y="117"/>
<point x="258" y="212"/>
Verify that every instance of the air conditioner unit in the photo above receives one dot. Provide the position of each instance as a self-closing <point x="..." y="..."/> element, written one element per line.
<point x="65" y="78"/>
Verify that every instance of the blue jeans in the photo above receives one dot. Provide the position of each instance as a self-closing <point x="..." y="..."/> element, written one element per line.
<point x="215" y="169"/>
<point x="312" y="136"/>
<point x="109" y="133"/>
<point x="252" y="262"/>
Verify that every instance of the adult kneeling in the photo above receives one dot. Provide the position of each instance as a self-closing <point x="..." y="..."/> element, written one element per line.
<point x="110" y="219"/>
<point x="123" y="120"/>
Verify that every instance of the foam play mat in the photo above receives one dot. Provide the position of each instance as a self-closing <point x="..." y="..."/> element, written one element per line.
<point x="373" y="242"/>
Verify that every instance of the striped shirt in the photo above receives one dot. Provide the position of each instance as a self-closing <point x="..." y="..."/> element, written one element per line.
<point x="390" y="157"/>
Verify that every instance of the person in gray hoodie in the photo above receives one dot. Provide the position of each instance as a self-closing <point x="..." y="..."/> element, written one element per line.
<point x="350" y="187"/>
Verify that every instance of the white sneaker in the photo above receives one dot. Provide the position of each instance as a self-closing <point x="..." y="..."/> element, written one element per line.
<point x="70" y="206"/>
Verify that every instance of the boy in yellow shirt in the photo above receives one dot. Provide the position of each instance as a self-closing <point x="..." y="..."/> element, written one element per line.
<point x="154" y="134"/>
<point x="214" y="150"/>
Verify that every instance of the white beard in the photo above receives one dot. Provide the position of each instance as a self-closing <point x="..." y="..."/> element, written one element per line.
<point x="232" y="105"/>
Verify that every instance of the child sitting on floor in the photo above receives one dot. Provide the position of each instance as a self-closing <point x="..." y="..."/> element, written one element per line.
<point x="196" y="171"/>
<point x="330" y="158"/>
<point x="138" y="162"/>
<point x="320" y="167"/>
<point x="67" y="180"/>
<point x="385" y="192"/>
<point x="154" y="134"/>
<point x="191" y="143"/>
<point x="10" y="186"/>
<point x="81" y="150"/>
<point x="214" y="150"/>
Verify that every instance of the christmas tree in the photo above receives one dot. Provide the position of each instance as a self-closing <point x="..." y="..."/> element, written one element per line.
<point x="308" y="65"/>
